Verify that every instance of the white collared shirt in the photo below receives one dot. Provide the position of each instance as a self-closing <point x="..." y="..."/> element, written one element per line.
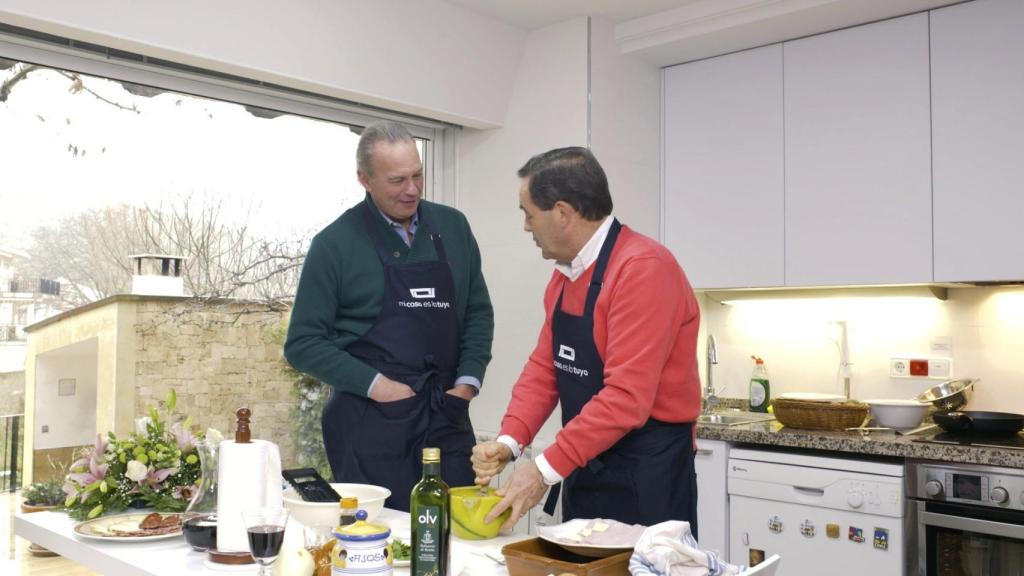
<point x="588" y="254"/>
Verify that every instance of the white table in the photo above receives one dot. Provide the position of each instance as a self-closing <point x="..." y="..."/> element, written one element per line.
<point x="173" y="557"/>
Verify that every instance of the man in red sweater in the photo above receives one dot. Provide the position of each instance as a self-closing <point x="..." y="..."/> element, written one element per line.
<point x="617" y="351"/>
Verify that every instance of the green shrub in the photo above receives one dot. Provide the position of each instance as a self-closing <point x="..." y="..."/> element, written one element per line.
<point x="48" y="493"/>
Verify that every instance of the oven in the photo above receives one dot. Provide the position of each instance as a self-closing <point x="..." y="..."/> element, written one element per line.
<point x="969" y="519"/>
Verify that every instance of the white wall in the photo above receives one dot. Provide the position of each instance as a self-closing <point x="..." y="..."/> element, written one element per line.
<point x="425" y="57"/>
<point x="626" y="129"/>
<point x="985" y="327"/>
<point x="547" y="109"/>
<point x="71" y="419"/>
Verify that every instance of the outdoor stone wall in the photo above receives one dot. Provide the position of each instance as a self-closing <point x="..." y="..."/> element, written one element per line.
<point x="217" y="356"/>
<point x="12" y="393"/>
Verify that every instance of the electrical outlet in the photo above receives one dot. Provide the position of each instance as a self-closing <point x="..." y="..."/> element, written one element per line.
<point x="899" y="367"/>
<point x="935" y="368"/>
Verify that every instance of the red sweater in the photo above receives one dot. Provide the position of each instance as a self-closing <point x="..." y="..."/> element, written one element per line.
<point x="645" y="329"/>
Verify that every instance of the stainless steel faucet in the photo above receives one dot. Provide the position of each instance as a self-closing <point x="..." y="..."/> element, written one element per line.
<point x="710" y="395"/>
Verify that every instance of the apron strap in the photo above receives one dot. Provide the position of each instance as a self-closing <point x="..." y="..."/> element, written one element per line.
<point x="597" y="280"/>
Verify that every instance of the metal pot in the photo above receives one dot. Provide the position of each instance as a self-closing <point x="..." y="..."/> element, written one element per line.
<point x="972" y="422"/>
<point x="950" y="395"/>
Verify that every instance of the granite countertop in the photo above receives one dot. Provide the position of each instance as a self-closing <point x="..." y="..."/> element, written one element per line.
<point x="882" y="443"/>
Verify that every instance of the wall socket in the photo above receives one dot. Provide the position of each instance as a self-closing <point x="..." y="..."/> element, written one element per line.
<point x="909" y="367"/>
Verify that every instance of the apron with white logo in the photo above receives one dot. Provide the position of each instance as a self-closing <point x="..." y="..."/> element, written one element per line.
<point x="415" y="340"/>
<point x="646" y="477"/>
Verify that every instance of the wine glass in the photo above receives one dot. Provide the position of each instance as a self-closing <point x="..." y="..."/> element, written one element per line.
<point x="265" y="527"/>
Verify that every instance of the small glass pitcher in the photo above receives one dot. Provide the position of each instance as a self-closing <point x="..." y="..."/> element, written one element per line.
<point x="200" y="520"/>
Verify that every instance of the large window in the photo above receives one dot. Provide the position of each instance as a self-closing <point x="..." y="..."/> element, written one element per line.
<point x="106" y="155"/>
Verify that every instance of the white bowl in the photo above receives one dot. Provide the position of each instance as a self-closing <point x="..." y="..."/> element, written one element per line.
<point x="371" y="498"/>
<point x="899" y="414"/>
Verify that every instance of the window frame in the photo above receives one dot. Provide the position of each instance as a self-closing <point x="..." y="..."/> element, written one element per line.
<point x="116" y="65"/>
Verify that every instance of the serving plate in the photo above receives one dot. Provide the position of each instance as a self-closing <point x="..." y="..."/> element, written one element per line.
<point x="101" y="528"/>
<point x="563" y="534"/>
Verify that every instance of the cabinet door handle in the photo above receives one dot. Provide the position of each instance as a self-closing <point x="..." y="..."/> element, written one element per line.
<point x="705" y="451"/>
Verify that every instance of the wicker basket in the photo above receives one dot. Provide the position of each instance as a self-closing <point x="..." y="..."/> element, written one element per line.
<point x="820" y="415"/>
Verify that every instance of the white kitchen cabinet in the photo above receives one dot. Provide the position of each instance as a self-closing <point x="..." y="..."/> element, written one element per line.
<point x="978" y="140"/>
<point x="711" y="460"/>
<point x="857" y="156"/>
<point x="723" y="167"/>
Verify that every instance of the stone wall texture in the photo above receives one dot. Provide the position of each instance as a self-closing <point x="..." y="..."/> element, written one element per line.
<point x="217" y="356"/>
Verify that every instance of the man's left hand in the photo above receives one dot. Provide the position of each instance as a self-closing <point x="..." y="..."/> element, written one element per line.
<point x="464" y="391"/>
<point x="522" y="492"/>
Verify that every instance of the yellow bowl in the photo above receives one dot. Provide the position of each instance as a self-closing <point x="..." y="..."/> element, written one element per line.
<point x="469" y="507"/>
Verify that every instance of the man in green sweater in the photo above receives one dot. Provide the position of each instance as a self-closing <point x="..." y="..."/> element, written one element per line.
<point x="393" y="313"/>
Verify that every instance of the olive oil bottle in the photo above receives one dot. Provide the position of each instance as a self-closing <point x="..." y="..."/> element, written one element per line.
<point x="430" y="510"/>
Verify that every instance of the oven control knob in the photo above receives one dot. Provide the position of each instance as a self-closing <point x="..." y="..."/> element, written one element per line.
<point x="855" y="499"/>
<point x="999" y="495"/>
<point x="933" y="488"/>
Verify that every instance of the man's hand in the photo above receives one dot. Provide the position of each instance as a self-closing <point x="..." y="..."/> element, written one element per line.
<point x="464" y="391"/>
<point x="523" y="491"/>
<point x="388" y="390"/>
<point x="489" y="459"/>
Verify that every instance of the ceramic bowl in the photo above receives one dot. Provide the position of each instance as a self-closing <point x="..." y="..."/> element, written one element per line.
<point x="899" y="414"/>
<point x="371" y="498"/>
<point x="469" y="507"/>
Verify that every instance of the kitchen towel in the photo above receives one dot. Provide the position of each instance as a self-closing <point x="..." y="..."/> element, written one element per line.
<point x="248" y="476"/>
<point x="669" y="549"/>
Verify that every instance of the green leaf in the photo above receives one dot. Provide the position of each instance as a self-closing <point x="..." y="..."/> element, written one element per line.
<point x="172" y="400"/>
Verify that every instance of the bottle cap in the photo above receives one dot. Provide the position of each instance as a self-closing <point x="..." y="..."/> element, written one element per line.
<point x="431" y="454"/>
<point x="350" y="502"/>
<point x="758" y="360"/>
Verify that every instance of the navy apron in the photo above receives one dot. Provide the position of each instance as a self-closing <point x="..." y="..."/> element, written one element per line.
<point x="646" y="477"/>
<point x="415" y="340"/>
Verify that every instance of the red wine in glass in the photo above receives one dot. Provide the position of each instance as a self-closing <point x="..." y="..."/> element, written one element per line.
<point x="201" y="532"/>
<point x="265" y="542"/>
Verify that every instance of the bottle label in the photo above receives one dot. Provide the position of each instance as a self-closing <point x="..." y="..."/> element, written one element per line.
<point x="757" y="392"/>
<point x="428" y="540"/>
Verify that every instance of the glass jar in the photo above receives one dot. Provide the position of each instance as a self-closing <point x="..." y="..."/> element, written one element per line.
<point x="200" y="519"/>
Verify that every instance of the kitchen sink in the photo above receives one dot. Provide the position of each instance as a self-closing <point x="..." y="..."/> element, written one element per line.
<point x="733" y="418"/>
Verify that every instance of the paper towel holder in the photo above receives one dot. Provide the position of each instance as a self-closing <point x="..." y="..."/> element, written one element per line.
<point x="242" y="433"/>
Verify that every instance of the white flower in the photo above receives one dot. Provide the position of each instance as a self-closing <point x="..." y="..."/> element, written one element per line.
<point x="214" y="437"/>
<point x="136" y="471"/>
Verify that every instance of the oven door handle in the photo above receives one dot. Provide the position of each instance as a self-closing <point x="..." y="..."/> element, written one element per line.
<point x="988" y="527"/>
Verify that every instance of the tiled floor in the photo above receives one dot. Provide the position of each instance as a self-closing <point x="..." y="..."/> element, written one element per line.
<point x="15" y="558"/>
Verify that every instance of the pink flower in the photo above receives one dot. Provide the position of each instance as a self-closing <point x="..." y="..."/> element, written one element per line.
<point x="184" y="492"/>
<point x="183" y="436"/>
<point x="95" y="471"/>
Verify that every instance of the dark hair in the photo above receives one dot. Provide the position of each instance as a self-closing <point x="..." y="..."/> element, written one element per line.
<point x="571" y="175"/>
<point x="383" y="131"/>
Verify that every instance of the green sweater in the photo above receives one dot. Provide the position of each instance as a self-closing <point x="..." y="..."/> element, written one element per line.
<point x="341" y="292"/>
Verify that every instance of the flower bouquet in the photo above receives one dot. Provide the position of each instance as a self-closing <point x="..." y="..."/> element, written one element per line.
<point x="156" y="466"/>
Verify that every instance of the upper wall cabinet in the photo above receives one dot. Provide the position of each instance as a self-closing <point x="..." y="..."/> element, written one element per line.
<point x="723" y="165"/>
<point x="978" y="140"/>
<point x="857" y="156"/>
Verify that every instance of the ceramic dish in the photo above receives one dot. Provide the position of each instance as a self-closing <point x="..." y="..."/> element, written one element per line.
<point x="812" y="397"/>
<point x="563" y="534"/>
<point x="100" y="528"/>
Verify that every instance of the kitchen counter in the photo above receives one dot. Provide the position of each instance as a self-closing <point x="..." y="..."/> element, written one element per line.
<point x="875" y="444"/>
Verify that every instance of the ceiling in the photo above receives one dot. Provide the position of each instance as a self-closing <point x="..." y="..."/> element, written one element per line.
<point x="534" y="14"/>
<point x="666" y="32"/>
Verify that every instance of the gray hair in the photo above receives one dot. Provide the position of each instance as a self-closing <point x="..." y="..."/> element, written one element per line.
<point x="384" y="131"/>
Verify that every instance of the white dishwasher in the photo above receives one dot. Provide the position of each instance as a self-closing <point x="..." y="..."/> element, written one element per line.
<point x="822" y="515"/>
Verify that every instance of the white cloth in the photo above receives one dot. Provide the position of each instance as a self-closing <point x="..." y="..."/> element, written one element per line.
<point x="669" y="549"/>
<point x="248" y="476"/>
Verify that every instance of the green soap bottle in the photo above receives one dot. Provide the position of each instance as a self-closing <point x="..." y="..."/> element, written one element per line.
<point x="430" y="510"/>
<point x="760" y="391"/>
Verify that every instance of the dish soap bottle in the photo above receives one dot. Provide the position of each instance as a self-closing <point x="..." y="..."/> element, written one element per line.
<point x="430" y="510"/>
<point x="760" y="391"/>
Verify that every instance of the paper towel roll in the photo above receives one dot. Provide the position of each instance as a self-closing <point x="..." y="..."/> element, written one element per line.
<point x="248" y="476"/>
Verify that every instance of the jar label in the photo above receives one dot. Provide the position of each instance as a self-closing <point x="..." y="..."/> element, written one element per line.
<point x="428" y="541"/>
